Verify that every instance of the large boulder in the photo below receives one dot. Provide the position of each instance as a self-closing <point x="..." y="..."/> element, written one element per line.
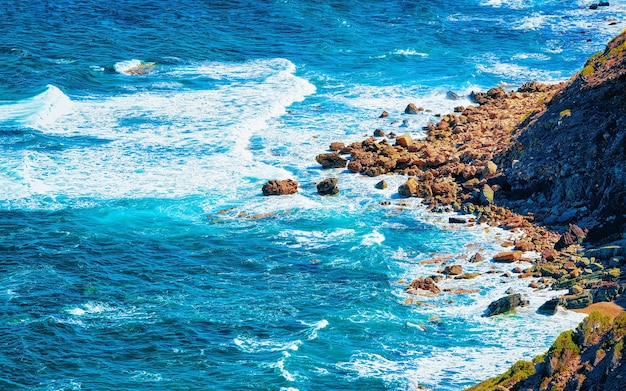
<point x="506" y="304"/>
<point x="573" y="235"/>
<point x="280" y="187"/>
<point x="507" y="256"/>
<point x="453" y="270"/>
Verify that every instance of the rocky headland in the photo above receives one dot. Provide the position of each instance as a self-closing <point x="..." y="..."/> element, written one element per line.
<point x="549" y="160"/>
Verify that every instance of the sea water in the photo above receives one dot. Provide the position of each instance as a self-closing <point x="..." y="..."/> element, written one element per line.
<point x="136" y="249"/>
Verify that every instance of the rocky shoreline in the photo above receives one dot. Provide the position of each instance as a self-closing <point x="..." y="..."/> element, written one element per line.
<point x="549" y="160"/>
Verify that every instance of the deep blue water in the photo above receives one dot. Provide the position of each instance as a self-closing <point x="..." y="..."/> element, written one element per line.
<point x="136" y="249"/>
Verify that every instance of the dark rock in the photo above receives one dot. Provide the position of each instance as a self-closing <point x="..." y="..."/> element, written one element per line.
<point x="412" y="109"/>
<point x="452" y="95"/>
<point x="506" y="304"/>
<point x="280" y="187"/>
<point x="573" y="235"/>
<point x="578" y="301"/>
<point x="328" y="187"/>
<point x="384" y="114"/>
<point x="379" y="133"/>
<point x="381" y="185"/>
<point x="549" y="307"/>
<point x="607" y="291"/>
<point x="593" y="6"/>
<point x="457" y="220"/>
<point x="331" y="160"/>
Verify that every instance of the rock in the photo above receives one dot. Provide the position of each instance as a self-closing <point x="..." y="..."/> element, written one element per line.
<point x="409" y="188"/>
<point x="507" y="256"/>
<point x="379" y="133"/>
<point x="412" y="109"/>
<point x="328" y="187"/>
<point x="384" y="114"/>
<point x="280" y="187"/>
<point x="604" y="253"/>
<point x="606" y="292"/>
<point x="451" y="95"/>
<point x="381" y="185"/>
<point x="476" y="258"/>
<point x="404" y="140"/>
<point x="486" y="195"/>
<point x="505" y="304"/>
<point x="576" y="289"/>
<point x="337" y="146"/>
<point x="453" y="270"/>
<point x="490" y="170"/>
<point x="578" y="301"/>
<point x="573" y="235"/>
<point x="425" y="284"/>
<point x="549" y="307"/>
<point x="457" y="220"/>
<point x="467" y="276"/>
<point x="331" y="160"/>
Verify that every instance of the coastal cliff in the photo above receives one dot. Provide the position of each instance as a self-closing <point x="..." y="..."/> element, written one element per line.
<point x="547" y="159"/>
<point x="568" y="164"/>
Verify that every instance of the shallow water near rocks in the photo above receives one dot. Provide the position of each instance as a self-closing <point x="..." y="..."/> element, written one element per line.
<point x="137" y="251"/>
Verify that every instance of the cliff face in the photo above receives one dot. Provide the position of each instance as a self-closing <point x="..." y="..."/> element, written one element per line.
<point x="589" y="358"/>
<point x="568" y="165"/>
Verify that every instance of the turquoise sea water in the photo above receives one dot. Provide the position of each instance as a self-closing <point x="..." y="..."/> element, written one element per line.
<point x="136" y="249"/>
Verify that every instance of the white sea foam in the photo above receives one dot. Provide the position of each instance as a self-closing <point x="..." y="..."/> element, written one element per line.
<point x="410" y="52"/>
<point x="373" y="238"/>
<point x="39" y="111"/>
<point x="164" y="143"/>
<point x="255" y="345"/>
<point x="133" y="67"/>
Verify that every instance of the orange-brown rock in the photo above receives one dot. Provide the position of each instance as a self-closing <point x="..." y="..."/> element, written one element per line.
<point x="507" y="256"/>
<point x="280" y="187"/>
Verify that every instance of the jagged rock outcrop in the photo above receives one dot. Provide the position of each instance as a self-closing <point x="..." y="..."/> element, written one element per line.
<point x="569" y="161"/>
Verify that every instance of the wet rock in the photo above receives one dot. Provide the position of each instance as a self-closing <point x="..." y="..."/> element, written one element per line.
<point x="506" y="304"/>
<point x="379" y="133"/>
<point x="476" y="258"/>
<point x="328" y="187"/>
<point x="453" y="270"/>
<point x="280" y="187"/>
<point x="331" y="160"/>
<point x="384" y="114"/>
<point x="604" y="253"/>
<point x="381" y="185"/>
<point x="412" y="109"/>
<point x="457" y="220"/>
<point x="424" y="284"/>
<point x="549" y="307"/>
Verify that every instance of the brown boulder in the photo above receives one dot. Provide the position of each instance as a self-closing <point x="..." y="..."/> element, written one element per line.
<point x="412" y="109"/>
<point x="404" y="140"/>
<point x="280" y="187"/>
<point x="409" y="188"/>
<point x="573" y="235"/>
<point x="507" y="256"/>
<point x="453" y="270"/>
<point x="425" y="284"/>
<point x="331" y="160"/>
